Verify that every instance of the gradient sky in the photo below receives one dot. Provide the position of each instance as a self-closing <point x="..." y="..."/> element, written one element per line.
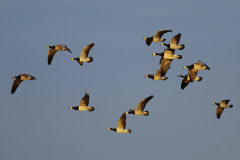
<point x="182" y="124"/>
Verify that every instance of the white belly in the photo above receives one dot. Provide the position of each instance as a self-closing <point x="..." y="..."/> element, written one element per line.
<point x="83" y="59"/>
<point x="120" y="130"/>
<point x="138" y="112"/>
<point x="82" y="108"/>
<point x="174" y="46"/>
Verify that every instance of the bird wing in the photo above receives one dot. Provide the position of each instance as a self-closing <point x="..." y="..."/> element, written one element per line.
<point x="192" y="74"/>
<point x="165" y="65"/>
<point x="86" y="50"/>
<point x="85" y="100"/>
<point x="29" y="75"/>
<point x="204" y="64"/>
<point x="225" y="101"/>
<point x="24" y="76"/>
<point x="51" y="54"/>
<point x="219" y="111"/>
<point x="122" y="121"/>
<point x="185" y="82"/>
<point x="176" y="39"/>
<point x="141" y="105"/>
<point x="81" y="63"/>
<point x="160" y="33"/>
<point x="15" y="85"/>
<point x="149" y="41"/>
<point x="198" y="64"/>
<point x="65" y="48"/>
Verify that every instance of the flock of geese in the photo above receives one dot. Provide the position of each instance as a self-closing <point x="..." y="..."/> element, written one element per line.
<point x="166" y="59"/>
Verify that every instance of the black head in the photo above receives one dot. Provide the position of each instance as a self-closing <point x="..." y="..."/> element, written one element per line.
<point x="149" y="76"/>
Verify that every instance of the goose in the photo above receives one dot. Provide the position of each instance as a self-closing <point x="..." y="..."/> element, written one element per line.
<point x="54" y="49"/>
<point x="193" y="69"/>
<point x="83" y="57"/>
<point x="168" y="54"/>
<point x="140" y="107"/>
<point x="223" y="104"/>
<point x="186" y="80"/>
<point x="166" y="59"/>
<point x="19" y="79"/>
<point x="157" y="76"/>
<point x="156" y="37"/>
<point x="121" y="125"/>
<point x="174" y="43"/>
<point x="83" y="104"/>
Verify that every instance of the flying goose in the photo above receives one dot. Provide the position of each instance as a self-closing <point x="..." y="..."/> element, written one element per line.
<point x="186" y="80"/>
<point x="174" y="43"/>
<point x="83" y="104"/>
<point x="121" y="125"/>
<point x="83" y="57"/>
<point x="157" y="76"/>
<point x="19" y="79"/>
<point x="140" y="107"/>
<point x="164" y="65"/>
<point x="54" y="49"/>
<point x="168" y="54"/>
<point x="193" y="69"/>
<point x="166" y="59"/>
<point x="223" y="104"/>
<point x="156" y="37"/>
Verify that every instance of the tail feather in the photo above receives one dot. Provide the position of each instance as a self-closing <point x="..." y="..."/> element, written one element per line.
<point x="183" y="46"/>
<point x="179" y="57"/>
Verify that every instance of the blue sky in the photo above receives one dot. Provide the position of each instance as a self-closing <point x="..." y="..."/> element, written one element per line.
<point x="36" y="122"/>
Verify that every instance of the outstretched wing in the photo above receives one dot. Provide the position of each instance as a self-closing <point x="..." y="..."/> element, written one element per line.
<point x="85" y="100"/>
<point x="65" y="48"/>
<point x="81" y="63"/>
<point x="122" y="121"/>
<point x="15" y="85"/>
<point x="192" y="74"/>
<point x="219" y="111"/>
<point x="165" y="65"/>
<point x="51" y="54"/>
<point x="225" y="101"/>
<point x="141" y="105"/>
<point x="176" y="39"/>
<point x="30" y="76"/>
<point x="160" y="33"/>
<point x="86" y="50"/>
<point x="185" y="82"/>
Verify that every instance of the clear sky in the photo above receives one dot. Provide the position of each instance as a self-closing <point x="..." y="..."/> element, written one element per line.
<point x="182" y="124"/>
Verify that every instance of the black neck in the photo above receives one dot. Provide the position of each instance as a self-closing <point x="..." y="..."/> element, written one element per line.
<point x="131" y="112"/>
<point x="52" y="47"/>
<point x="151" y="76"/>
<point x="77" y="59"/>
<point x="113" y="129"/>
<point x="75" y="108"/>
